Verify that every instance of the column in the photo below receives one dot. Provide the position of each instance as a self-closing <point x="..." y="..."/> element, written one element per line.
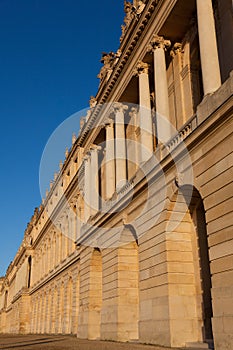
<point x="73" y="222"/>
<point x="120" y="144"/>
<point x="208" y="46"/>
<point x="164" y="128"/>
<point x="71" y="229"/>
<point x="57" y="249"/>
<point x="145" y="112"/>
<point x="48" y="265"/>
<point x="87" y="192"/>
<point x="61" y="248"/>
<point x="110" y="159"/>
<point x="136" y="123"/>
<point x="179" y="100"/>
<point x="94" y="187"/>
<point x="33" y="269"/>
<point x="54" y="250"/>
<point x="78" y="216"/>
<point x="66" y="234"/>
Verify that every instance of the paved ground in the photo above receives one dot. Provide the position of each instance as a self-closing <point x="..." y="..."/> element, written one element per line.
<point x="44" y="342"/>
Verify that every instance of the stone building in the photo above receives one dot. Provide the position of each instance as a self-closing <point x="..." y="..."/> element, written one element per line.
<point x="134" y="240"/>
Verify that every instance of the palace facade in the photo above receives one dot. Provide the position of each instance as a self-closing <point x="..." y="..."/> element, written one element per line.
<point x="134" y="239"/>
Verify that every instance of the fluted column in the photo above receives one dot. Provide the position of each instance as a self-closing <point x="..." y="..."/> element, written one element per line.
<point x="145" y="112"/>
<point x="120" y="144"/>
<point x="87" y="191"/>
<point x="164" y="130"/>
<point x="208" y="46"/>
<point x="94" y="187"/>
<point x="110" y="159"/>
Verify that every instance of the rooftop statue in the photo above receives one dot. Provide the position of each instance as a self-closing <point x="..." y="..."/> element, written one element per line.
<point x="108" y="62"/>
<point x="132" y="10"/>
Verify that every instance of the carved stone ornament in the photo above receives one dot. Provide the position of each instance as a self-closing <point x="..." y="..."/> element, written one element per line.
<point x="27" y="241"/>
<point x="158" y="42"/>
<point x="92" y="102"/>
<point x="132" y="10"/>
<point x="119" y="107"/>
<point x="129" y="9"/>
<point x="142" y="67"/>
<point x="176" y="49"/>
<point x="108" y="62"/>
<point x="139" y="6"/>
<point x="129" y="15"/>
<point x="73" y="138"/>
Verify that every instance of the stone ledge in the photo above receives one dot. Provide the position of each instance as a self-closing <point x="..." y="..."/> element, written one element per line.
<point x="213" y="101"/>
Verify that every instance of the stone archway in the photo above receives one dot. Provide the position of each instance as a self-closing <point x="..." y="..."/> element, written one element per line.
<point x="197" y="211"/>
<point x="95" y="295"/>
<point x="128" y="285"/>
<point x="189" y="278"/>
<point x="68" y="306"/>
<point x="75" y="303"/>
<point x="61" y="308"/>
<point x="54" y="310"/>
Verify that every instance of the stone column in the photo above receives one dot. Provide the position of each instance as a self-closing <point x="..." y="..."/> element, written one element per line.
<point x="52" y="251"/>
<point x="110" y="160"/>
<point x="176" y="53"/>
<point x="208" y="46"/>
<point x="71" y="230"/>
<point x="94" y="187"/>
<point x="120" y="144"/>
<point x="87" y="190"/>
<point x="164" y="129"/>
<point x="78" y="217"/>
<point x="65" y="235"/>
<point x="145" y="112"/>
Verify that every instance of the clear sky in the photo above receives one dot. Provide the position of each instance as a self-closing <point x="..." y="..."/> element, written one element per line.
<point x="50" y="54"/>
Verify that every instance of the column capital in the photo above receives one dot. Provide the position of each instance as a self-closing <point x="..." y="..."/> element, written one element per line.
<point x="95" y="148"/>
<point x="87" y="156"/>
<point x="141" y="68"/>
<point x="177" y="48"/>
<point x="119" y="107"/>
<point x="158" y="42"/>
<point x="109" y="121"/>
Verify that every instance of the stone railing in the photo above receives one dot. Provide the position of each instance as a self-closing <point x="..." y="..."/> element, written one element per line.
<point x="182" y="134"/>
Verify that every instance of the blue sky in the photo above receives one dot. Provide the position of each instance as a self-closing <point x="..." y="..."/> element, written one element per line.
<point x="50" y="54"/>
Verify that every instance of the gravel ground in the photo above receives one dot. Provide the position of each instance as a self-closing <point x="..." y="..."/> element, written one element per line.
<point x="42" y="342"/>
